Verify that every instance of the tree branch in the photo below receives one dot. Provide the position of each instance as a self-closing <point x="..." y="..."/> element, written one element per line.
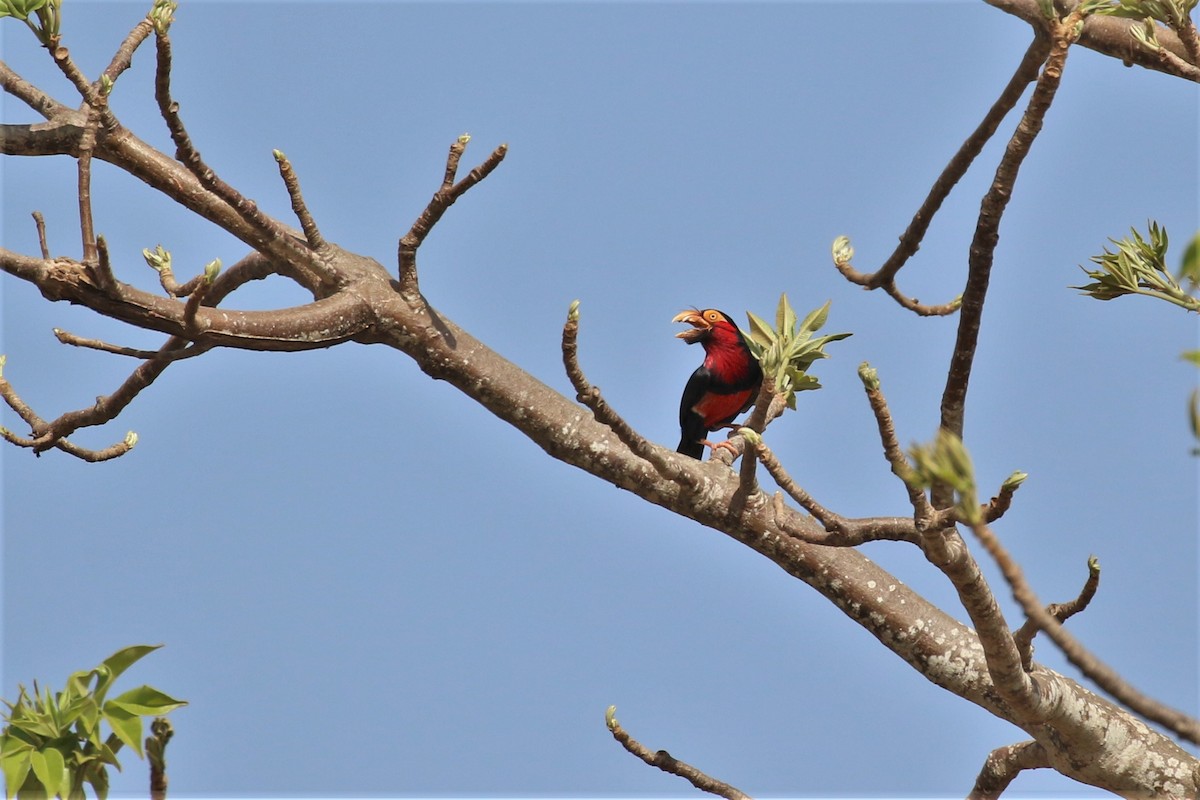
<point x="668" y="763"/>
<point x="442" y="199"/>
<point x="1108" y="35"/>
<point x="1060" y="611"/>
<point x="910" y="240"/>
<point x="1086" y="662"/>
<point x="987" y="232"/>
<point x="590" y="396"/>
<point x="1003" y="765"/>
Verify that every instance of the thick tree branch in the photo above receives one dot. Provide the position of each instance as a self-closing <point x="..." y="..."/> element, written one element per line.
<point x="668" y="763"/>
<point x="323" y="323"/>
<point x="1110" y="36"/>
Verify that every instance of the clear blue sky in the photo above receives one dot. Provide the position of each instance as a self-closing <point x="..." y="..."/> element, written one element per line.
<point x="368" y="586"/>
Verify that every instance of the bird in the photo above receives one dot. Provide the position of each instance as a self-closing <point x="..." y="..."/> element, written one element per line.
<point x="724" y="386"/>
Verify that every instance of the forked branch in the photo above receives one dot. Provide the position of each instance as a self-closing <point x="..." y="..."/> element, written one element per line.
<point x="1104" y="676"/>
<point x="442" y="199"/>
<point x="910" y="241"/>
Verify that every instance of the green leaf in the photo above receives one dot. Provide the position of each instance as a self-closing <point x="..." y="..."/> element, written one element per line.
<point x="785" y="317"/>
<point x="126" y="725"/>
<point x="16" y="766"/>
<point x="145" y="701"/>
<point x="21" y="9"/>
<point x="50" y="769"/>
<point x="816" y="319"/>
<point x="112" y="667"/>
<point x="760" y="332"/>
<point x="1189" y="268"/>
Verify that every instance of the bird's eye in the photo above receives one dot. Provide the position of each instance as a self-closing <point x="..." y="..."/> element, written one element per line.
<point x="713" y="316"/>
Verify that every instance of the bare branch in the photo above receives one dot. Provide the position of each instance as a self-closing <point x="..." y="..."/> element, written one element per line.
<point x="96" y="101"/>
<point x="1003" y="765"/>
<point x="923" y="512"/>
<point x="442" y="199"/>
<point x="668" y="763"/>
<point x="67" y="337"/>
<point x="123" y="58"/>
<point x="1060" y="611"/>
<point x="322" y="323"/>
<point x="1087" y="663"/>
<point x="910" y="241"/>
<point x="270" y="235"/>
<point x="40" y="442"/>
<point x="759" y="451"/>
<point x="26" y="92"/>
<point x="590" y="396"/>
<point x="987" y="231"/>
<point x="311" y="233"/>
<point x="40" y="222"/>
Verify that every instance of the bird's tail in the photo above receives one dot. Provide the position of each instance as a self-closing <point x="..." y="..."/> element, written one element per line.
<point x="691" y="448"/>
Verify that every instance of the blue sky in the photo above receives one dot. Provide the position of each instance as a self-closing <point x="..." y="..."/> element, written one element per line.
<point x="368" y="586"/>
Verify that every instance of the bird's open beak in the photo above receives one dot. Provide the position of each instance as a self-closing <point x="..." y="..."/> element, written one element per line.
<point x="700" y="326"/>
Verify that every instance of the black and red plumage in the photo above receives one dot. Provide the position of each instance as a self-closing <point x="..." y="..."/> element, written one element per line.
<point x="724" y="386"/>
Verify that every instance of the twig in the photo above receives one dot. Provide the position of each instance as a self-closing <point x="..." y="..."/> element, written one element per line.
<point x="923" y="512"/>
<point x="663" y="760"/>
<point x="40" y="222"/>
<point x="442" y="199"/>
<point x="92" y="96"/>
<point x="101" y="269"/>
<point x="921" y="310"/>
<point x="271" y="235"/>
<point x="590" y="396"/>
<point x="190" y="351"/>
<point x="1060" y="611"/>
<point x="987" y="229"/>
<point x="1003" y="765"/>
<point x="53" y="434"/>
<point x="123" y="58"/>
<point x="759" y="451"/>
<point x="299" y="207"/>
<point x="36" y="423"/>
<point x="1087" y="663"/>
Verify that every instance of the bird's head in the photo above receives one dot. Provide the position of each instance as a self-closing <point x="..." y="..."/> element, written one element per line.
<point x="707" y="325"/>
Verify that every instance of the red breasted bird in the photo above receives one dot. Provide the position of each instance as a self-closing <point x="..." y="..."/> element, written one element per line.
<point x="723" y="386"/>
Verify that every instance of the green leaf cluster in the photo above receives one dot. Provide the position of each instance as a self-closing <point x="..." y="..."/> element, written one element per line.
<point x="42" y="17"/>
<point x="52" y="744"/>
<point x="1139" y="266"/>
<point x="788" y="349"/>
<point x="1172" y="13"/>
<point x="946" y="462"/>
